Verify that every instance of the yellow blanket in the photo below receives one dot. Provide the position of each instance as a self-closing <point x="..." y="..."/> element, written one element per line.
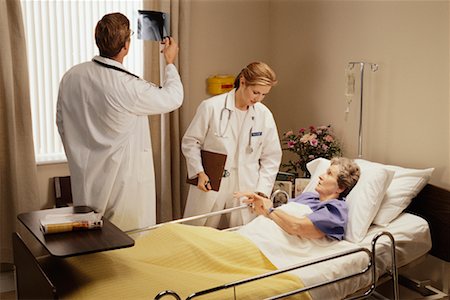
<point x="182" y="258"/>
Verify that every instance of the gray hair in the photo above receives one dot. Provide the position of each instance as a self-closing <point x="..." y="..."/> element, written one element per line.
<point x="348" y="175"/>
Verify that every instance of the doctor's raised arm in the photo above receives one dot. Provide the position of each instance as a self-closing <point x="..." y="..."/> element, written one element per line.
<point x="238" y="125"/>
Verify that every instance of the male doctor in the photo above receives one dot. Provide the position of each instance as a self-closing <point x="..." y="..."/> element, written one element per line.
<point x="239" y="125"/>
<point x="102" y="119"/>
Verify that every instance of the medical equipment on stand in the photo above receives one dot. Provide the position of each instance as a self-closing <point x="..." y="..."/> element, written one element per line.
<point x="351" y="65"/>
<point x="349" y="88"/>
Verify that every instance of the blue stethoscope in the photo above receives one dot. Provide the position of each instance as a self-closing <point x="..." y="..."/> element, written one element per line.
<point x="221" y="133"/>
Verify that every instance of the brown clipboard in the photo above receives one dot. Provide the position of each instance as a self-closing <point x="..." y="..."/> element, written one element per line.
<point x="214" y="166"/>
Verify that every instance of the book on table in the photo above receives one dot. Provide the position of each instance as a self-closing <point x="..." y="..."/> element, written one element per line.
<point x="54" y="223"/>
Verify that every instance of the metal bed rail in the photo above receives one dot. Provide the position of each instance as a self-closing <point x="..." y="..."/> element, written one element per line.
<point x="214" y="213"/>
<point x="207" y="215"/>
<point x="370" y="266"/>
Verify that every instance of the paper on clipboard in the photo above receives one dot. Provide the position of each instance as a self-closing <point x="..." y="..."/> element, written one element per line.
<point x="214" y="166"/>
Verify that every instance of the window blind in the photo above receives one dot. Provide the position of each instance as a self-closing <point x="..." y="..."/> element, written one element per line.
<point x="59" y="35"/>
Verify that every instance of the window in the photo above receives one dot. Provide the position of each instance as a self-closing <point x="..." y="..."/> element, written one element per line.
<point x="59" y="35"/>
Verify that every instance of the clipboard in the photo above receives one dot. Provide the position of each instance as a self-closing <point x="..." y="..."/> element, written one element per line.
<point x="213" y="165"/>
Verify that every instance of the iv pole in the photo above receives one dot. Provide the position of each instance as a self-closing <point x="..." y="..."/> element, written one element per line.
<point x="374" y="68"/>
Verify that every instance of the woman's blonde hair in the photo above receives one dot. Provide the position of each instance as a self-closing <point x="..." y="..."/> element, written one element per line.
<point x="111" y="34"/>
<point x="257" y="73"/>
<point x="348" y="174"/>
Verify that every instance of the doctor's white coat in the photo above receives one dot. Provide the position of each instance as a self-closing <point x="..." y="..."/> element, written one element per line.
<point x="256" y="169"/>
<point x="102" y="119"/>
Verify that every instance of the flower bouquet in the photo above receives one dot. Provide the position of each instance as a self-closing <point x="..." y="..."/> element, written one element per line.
<point x="309" y="144"/>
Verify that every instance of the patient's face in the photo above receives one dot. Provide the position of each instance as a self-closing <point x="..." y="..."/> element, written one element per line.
<point x="328" y="185"/>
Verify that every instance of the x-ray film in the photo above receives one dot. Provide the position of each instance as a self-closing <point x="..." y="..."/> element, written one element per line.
<point x="153" y="25"/>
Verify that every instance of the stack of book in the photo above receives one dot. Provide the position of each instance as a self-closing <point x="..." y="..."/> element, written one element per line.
<point x="70" y="222"/>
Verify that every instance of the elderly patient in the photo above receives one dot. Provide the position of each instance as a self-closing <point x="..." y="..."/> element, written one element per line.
<point x="329" y="211"/>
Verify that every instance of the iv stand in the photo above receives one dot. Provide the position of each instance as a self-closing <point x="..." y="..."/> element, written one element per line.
<point x="374" y="68"/>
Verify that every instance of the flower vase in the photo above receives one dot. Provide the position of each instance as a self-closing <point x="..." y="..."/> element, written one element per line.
<point x="300" y="184"/>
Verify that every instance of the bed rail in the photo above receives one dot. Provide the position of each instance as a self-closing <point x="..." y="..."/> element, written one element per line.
<point x="214" y="213"/>
<point x="207" y="215"/>
<point x="393" y="272"/>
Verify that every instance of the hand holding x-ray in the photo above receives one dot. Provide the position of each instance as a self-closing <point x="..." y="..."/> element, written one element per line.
<point x="170" y="50"/>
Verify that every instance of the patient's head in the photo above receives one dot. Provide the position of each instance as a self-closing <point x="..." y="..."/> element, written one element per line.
<point x="339" y="179"/>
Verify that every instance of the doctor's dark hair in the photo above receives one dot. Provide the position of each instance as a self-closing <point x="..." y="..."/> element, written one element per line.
<point x="348" y="174"/>
<point x="111" y="34"/>
<point x="257" y="73"/>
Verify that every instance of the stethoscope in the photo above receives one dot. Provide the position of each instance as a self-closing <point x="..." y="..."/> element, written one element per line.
<point x="221" y="133"/>
<point x="121" y="70"/>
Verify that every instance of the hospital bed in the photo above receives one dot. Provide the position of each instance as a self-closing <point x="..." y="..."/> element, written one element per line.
<point x="343" y="270"/>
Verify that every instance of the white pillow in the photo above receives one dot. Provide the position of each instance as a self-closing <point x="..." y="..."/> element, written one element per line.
<point x="405" y="185"/>
<point x="363" y="201"/>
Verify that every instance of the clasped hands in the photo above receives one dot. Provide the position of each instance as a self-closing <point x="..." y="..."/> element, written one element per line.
<point x="257" y="204"/>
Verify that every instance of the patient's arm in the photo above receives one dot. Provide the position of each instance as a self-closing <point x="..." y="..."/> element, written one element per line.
<point x="302" y="227"/>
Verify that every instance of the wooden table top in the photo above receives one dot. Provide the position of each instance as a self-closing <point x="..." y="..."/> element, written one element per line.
<point x="66" y="244"/>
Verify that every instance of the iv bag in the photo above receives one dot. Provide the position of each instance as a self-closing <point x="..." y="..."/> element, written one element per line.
<point x="350" y="83"/>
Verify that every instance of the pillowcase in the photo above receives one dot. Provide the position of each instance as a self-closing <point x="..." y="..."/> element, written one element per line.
<point x="405" y="185"/>
<point x="363" y="201"/>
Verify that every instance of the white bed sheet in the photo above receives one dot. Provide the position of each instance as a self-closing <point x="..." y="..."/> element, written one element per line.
<point x="411" y="233"/>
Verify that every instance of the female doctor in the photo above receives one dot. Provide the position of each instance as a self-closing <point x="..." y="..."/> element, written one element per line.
<point x="239" y="125"/>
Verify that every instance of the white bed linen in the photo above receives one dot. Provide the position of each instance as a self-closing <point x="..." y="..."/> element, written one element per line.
<point x="411" y="234"/>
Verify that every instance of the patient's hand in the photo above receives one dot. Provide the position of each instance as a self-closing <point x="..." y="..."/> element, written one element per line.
<point x="258" y="204"/>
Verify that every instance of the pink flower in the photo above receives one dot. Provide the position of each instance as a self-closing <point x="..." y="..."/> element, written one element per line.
<point x="309" y="143"/>
<point x="290" y="132"/>
<point x="328" y="138"/>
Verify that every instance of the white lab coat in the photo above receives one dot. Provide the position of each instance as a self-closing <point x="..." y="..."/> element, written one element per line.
<point x="102" y="120"/>
<point x="255" y="170"/>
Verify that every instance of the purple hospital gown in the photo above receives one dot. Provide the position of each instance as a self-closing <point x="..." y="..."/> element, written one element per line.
<point x="328" y="216"/>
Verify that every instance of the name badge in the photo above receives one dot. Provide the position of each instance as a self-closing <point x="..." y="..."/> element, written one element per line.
<point x="258" y="133"/>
